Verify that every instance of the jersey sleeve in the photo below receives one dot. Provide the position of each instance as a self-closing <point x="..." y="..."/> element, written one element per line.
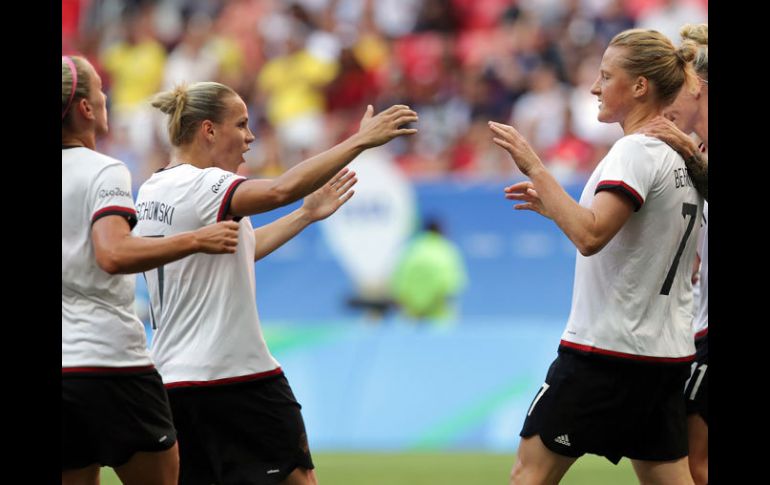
<point x="214" y="193"/>
<point x="629" y="170"/>
<point x="111" y="194"/>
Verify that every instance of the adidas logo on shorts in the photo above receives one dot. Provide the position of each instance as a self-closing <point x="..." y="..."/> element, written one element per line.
<point x="563" y="440"/>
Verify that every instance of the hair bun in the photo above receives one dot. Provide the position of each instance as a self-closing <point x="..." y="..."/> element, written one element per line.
<point x="180" y="97"/>
<point x="687" y="51"/>
<point x="696" y="32"/>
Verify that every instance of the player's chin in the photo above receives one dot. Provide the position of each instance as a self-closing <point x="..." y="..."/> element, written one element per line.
<point x="604" y="117"/>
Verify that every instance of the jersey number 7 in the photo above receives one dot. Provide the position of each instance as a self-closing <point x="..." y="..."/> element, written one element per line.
<point x="687" y="210"/>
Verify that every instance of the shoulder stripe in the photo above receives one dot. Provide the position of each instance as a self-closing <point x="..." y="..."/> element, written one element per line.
<point x="224" y="208"/>
<point x="623" y="188"/>
<point x="115" y="210"/>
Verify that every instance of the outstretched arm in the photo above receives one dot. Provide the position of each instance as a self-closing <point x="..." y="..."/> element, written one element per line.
<point x="319" y="205"/>
<point x="590" y="229"/>
<point x="255" y="196"/>
<point x="119" y="252"/>
<point x="697" y="165"/>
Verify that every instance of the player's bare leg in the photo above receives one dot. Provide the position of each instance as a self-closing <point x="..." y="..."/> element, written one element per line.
<point x="537" y="465"/>
<point x="698" y="437"/>
<point x="676" y="472"/>
<point x="81" y="476"/>
<point x="151" y="468"/>
<point x="301" y="476"/>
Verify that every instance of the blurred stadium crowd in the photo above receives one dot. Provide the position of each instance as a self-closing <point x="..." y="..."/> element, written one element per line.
<point x="308" y="68"/>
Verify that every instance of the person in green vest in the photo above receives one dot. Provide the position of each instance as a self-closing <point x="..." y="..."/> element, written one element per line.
<point x="429" y="275"/>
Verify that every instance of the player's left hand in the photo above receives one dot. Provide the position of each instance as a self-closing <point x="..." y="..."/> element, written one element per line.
<point x="325" y="201"/>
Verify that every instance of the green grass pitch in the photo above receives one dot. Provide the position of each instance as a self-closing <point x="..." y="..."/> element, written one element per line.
<point x="443" y="469"/>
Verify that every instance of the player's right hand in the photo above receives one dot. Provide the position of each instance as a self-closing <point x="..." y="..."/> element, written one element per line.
<point x="380" y="129"/>
<point x="525" y="192"/>
<point x="219" y="238"/>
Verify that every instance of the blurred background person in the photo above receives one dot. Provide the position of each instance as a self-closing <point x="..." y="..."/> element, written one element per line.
<point x="429" y="276"/>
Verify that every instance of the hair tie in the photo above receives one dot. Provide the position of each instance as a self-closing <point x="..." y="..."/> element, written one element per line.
<point x="74" y="72"/>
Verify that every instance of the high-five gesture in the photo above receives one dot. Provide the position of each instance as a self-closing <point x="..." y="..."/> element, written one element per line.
<point x="380" y="129"/>
<point x="325" y="201"/>
<point x="521" y="152"/>
<point x="525" y="191"/>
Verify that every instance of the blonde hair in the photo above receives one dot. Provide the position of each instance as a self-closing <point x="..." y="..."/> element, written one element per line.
<point x="82" y="89"/>
<point x="652" y="55"/>
<point x="188" y="106"/>
<point x="699" y="33"/>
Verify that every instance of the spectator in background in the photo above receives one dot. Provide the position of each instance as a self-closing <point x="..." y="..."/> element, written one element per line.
<point x="499" y="41"/>
<point x="429" y="276"/>
<point x="669" y="15"/>
<point x="242" y="40"/>
<point x="194" y="58"/>
<point x="292" y="87"/>
<point x="570" y="157"/>
<point x="135" y="65"/>
<point x="539" y="113"/>
<point x="71" y="14"/>
<point x="611" y="20"/>
<point x="347" y="95"/>
<point x="394" y="18"/>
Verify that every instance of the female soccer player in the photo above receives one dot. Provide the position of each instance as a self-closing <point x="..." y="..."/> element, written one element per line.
<point x="115" y="410"/>
<point x="615" y="387"/>
<point x="236" y="415"/>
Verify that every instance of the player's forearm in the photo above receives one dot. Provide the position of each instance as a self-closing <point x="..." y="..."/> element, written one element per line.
<point x="274" y="235"/>
<point x="311" y="174"/>
<point x="698" y="168"/>
<point x="578" y="223"/>
<point x="257" y="196"/>
<point x="697" y="164"/>
<point x="133" y="254"/>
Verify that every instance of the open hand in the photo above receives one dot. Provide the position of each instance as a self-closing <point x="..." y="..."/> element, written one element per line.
<point x="378" y="130"/>
<point x="325" y="201"/>
<point x="525" y="192"/>
<point x="521" y="152"/>
<point x="666" y="131"/>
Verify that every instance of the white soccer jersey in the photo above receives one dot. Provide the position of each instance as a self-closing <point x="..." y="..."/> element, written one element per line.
<point x="633" y="299"/>
<point x="99" y="327"/>
<point x="203" y="306"/>
<point x="701" y="320"/>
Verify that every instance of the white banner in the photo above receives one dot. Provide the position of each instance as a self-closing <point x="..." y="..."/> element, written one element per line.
<point x="368" y="233"/>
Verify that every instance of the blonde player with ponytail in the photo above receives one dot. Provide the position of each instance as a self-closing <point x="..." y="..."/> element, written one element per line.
<point x="615" y="388"/>
<point x="115" y="410"/>
<point x="235" y="412"/>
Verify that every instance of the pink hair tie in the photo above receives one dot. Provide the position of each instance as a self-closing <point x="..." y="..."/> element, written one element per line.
<point x="74" y="72"/>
